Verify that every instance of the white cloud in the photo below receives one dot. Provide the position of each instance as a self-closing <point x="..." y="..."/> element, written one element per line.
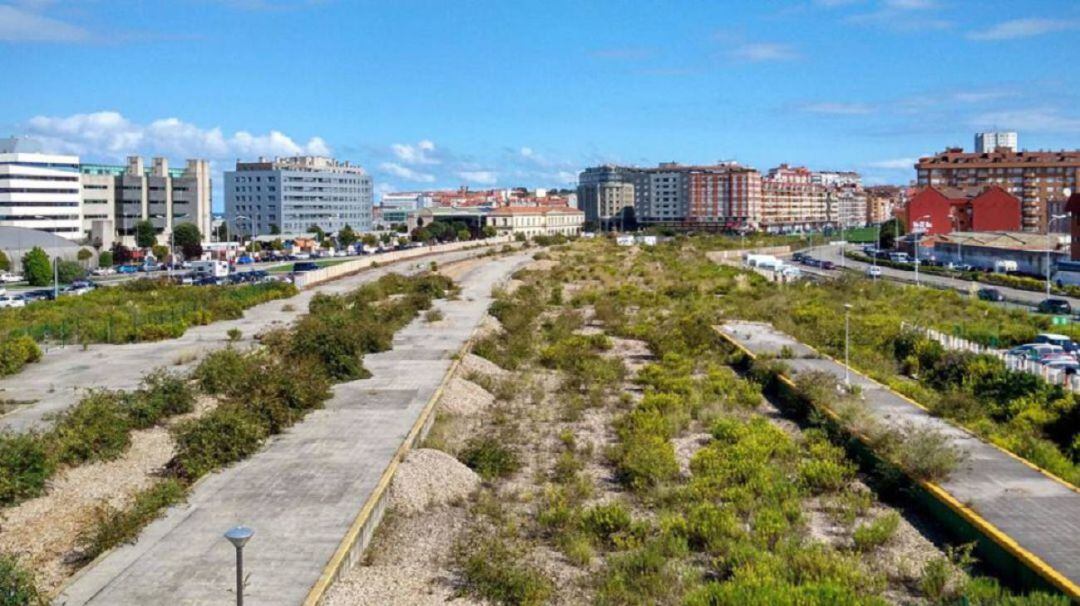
<point x="483" y="177"/>
<point x="1022" y="28"/>
<point x="420" y="153"/>
<point x="764" y="51"/>
<point x="894" y="164"/>
<point x="404" y="172"/>
<point x="22" y="25"/>
<point x="838" y="109"/>
<point x="1036" y="119"/>
<point x="902" y="15"/>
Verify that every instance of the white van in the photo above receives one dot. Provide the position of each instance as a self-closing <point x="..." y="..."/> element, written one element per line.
<point x="215" y="269"/>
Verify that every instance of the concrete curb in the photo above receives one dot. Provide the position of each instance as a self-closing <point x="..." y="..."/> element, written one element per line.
<point x="984" y="526"/>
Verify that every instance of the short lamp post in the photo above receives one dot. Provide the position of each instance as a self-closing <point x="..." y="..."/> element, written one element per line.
<point x="1049" y="233"/>
<point x="238" y="536"/>
<point x="847" y="345"/>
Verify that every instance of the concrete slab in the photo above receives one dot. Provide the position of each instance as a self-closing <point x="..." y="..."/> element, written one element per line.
<point x="64" y="375"/>
<point x="302" y="492"/>
<point x="1041" y="514"/>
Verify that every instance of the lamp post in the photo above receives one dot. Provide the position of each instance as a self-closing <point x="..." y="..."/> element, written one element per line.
<point x="238" y="535"/>
<point x="251" y="227"/>
<point x="1049" y="224"/>
<point x="847" y="345"/>
<point x="916" y="246"/>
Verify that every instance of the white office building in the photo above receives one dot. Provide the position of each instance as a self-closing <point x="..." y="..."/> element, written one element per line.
<point x="988" y="142"/>
<point x="289" y="195"/>
<point x="38" y="190"/>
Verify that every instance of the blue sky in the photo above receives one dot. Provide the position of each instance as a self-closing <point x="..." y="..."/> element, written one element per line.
<point x="440" y="94"/>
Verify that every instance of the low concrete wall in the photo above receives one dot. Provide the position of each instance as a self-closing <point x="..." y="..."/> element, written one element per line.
<point x="311" y="278"/>
<point x="720" y="256"/>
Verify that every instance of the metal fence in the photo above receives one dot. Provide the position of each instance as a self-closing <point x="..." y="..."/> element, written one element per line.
<point x="1020" y="363"/>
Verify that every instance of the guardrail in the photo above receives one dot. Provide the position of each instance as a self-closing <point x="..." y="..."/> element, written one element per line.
<point x="1050" y="375"/>
<point x="318" y="276"/>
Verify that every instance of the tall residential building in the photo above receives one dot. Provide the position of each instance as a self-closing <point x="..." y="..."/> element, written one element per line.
<point x="38" y="190"/>
<point x="116" y="198"/>
<point x="791" y="201"/>
<point x="991" y="141"/>
<point x="604" y="191"/>
<point x="292" y="194"/>
<point x="1039" y="179"/>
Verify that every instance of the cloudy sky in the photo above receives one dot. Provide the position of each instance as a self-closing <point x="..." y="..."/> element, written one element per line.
<point x="493" y="93"/>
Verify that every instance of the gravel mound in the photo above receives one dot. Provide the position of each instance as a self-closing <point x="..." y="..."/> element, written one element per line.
<point x="463" y="397"/>
<point x="473" y="363"/>
<point x="430" y="477"/>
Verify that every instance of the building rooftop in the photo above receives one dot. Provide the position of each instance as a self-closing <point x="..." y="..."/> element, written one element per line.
<point x="956" y="155"/>
<point x="301" y="163"/>
<point x="1011" y="240"/>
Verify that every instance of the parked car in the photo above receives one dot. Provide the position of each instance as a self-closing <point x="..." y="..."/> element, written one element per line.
<point x="990" y="294"/>
<point x="873" y="272"/>
<point x="1037" y="352"/>
<point x="828" y="265"/>
<point x="1061" y="341"/>
<point x="7" y="278"/>
<point x="245" y="260"/>
<point x="303" y="266"/>
<point x="812" y="262"/>
<point x="798" y="256"/>
<point x="45" y="294"/>
<point x="1054" y="306"/>
<point x="127" y="269"/>
<point x="1068" y="366"/>
<point x="104" y="271"/>
<point x="12" y="301"/>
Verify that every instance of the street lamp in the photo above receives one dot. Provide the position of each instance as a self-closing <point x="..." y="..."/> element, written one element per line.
<point x="251" y="227"/>
<point x="916" y="246"/>
<point x="1049" y="224"/>
<point x="238" y="535"/>
<point x="847" y="345"/>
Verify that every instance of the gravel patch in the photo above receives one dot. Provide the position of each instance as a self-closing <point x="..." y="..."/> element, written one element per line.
<point x="473" y="363"/>
<point x="685" y="448"/>
<point x="463" y="397"/>
<point x="429" y="477"/>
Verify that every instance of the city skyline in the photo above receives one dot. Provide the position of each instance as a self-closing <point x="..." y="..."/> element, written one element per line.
<point x="493" y="95"/>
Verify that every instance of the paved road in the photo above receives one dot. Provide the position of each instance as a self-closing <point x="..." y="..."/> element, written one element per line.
<point x="1039" y="513"/>
<point x="63" y="375"/>
<point x="1024" y="297"/>
<point x="300" y="493"/>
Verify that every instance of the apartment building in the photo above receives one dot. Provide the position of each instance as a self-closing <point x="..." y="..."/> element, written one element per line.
<point x="991" y="141"/>
<point x="604" y="191"/>
<point x="115" y="198"/>
<point x="292" y="194"/>
<point x="536" y="220"/>
<point x="38" y="190"/>
<point x="1039" y="179"/>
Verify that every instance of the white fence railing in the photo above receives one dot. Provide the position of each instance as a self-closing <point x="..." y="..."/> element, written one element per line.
<point x="952" y="342"/>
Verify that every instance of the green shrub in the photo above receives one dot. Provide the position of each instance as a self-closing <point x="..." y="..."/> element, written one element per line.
<point x="875" y="534"/>
<point x="489" y="457"/>
<point x="17" y="587"/>
<point x="162" y="395"/>
<point x="710" y="526"/>
<point x="494" y="570"/>
<point x="604" y="521"/>
<point x="112" y="527"/>
<point x="95" y="429"/>
<point x="645" y="576"/>
<point x="25" y="465"/>
<point x="644" y="461"/>
<point x="234" y="334"/>
<point x="17" y="352"/>
<point x="222" y="372"/>
<point x="433" y="315"/>
<point x="225" y="435"/>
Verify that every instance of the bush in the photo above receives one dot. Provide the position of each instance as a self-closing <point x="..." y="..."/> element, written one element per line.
<point x="95" y="429"/>
<point x="222" y="372"/>
<point x="17" y="352"/>
<point x="112" y="527"/>
<point x="604" y="521"/>
<point x="487" y="456"/>
<point x="875" y="534"/>
<point x="925" y="453"/>
<point x="492" y="569"/>
<point x="433" y="315"/>
<point x="25" y="465"/>
<point x="162" y="395"/>
<point x="225" y="435"/>
<point x="234" y="334"/>
<point x="17" y="586"/>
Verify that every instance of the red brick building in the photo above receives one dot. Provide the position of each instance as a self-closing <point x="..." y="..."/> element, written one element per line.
<point x="1073" y="208"/>
<point x="943" y="210"/>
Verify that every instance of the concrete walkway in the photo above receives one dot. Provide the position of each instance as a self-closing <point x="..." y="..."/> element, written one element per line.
<point x="1040" y="513"/>
<point x="302" y="492"/>
<point x="63" y="375"/>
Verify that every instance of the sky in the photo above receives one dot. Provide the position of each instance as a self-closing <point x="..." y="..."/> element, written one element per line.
<point x="433" y="94"/>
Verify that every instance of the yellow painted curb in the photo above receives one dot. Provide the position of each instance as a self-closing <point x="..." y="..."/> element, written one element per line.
<point x="1032" y="561"/>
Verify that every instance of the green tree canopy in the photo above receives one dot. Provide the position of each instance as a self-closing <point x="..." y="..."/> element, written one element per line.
<point x="370" y="240"/>
<point x="160" y="251"/>
<point x="489" y="231"/>
<point x="37" y="269"/>
<point x="5" y="262"/>
<point x="320" y="235"/>
<point x="189" y="239"/>
<point x="223" y="232"/>
<point x="274" y="229"/>
<point x="890" y="231"/>
<point x="105" y="259"/>
<point x="145" y="234"/>
<point x="346" y="236"/>
<point x="69" y="271"/>
<point x="85" y="255"/>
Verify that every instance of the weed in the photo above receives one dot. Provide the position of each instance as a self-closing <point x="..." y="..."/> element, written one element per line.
<point x="113" y="527"/>
<point x="489" y="457"/>
<point x="877" y="533"/>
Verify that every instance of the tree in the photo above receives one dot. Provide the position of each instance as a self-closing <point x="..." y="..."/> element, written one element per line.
<point x="402" y="242"/>
<point x="421" y="234"/>
<point x="188" y="238"/>
<point x="69" y="271"/>
<point x="37" y="269"/>
<point x="85" y="255"/>
<point x="320" y="235"/>
<point x="346" y="236"/>
<point x="105" y="259"/>
<point x="5" y="262"/>
<point x="222" y="232"/>
<point x="145" y="234"/>
<point x="463" y="234"/>
<point x="489" y="231"/>
<point x="385" y="237"/>
<point x="121" y="254"/>
<point x="277" y="244"/>
<point x="274" y="229"/>
<point x="160" y="251"/>
<point x="890" y="231"/>
<point x="370" y="240"/>
<point x="255" y="246"/>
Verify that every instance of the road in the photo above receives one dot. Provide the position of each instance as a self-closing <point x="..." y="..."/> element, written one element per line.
<point x="64" y="375"/>
<point x="1039" y="513"/>
<point x="302" y="492"/>
<point x="1013" y="295"/>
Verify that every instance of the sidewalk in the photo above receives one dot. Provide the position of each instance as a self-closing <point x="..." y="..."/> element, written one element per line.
<point x="1018" y="503"/>
<point x="303" y="491"/>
